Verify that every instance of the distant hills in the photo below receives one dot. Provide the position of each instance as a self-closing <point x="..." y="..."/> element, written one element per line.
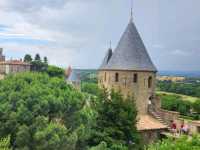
<point x="180" y="73"/>
<point x="189" y="74"/>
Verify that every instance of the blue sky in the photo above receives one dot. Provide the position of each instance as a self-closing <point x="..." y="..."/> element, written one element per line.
<point x="77" y="32"/>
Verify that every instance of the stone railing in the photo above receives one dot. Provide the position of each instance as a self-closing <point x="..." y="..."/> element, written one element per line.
<point x="168" y="116"/>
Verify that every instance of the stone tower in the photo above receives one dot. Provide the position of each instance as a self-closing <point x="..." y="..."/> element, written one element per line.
<point x="130" y="70"/>
<point x="2" y="57"/>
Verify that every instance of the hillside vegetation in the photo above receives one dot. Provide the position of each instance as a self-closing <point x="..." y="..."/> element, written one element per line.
<point x="185" y="88"/>
<point x="186" y="105"/>
<point x="182" y="143"/>
<point x="183" y="97"/>
<point x="39" y="112"/>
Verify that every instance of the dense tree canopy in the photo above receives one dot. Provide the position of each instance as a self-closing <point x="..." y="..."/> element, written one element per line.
<point x="183" y="143"/>
<point x="54" y="71"/>
<point x="116" y="123"/>
<point x="174" y="102"/>
<point x="90" y="88"/>
<point x="39" y="112"/>
<point x="38" y="65"/>
<point x="27" y="58"/>
<point x="191" y="89"/>
<point x="4" y="143"/>
<point x="33" y="106"/>
<point x="196" y="107"/>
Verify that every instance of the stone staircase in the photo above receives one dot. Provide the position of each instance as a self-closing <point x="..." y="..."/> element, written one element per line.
<point x="157" y="116"/>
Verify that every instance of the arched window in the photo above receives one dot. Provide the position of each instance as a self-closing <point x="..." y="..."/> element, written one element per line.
<point x="105" y="77"/>
<point x="116" y="77"/>
<point x="150" y="82"/>
<point x="135" y="78"/>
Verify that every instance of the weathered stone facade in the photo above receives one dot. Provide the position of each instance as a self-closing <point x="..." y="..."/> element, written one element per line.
<point x="14" y="66"/>
<point x="139" y="84"/>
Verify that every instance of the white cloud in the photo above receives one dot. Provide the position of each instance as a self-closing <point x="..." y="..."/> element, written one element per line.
<point x="44" y="24"/>
<point x="159" y="46"/>
<point x="78" y="31"/>
<point x="180" y="52"/>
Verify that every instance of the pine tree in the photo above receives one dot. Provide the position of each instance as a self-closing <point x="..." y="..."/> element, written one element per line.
<point x="27" y="58"/>
<point x="37" y="57"/>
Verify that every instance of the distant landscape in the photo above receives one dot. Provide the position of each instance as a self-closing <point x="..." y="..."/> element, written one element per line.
<point x="180" y="73"/>
<point x="161" y="73"/>
<point x="182" y="96"/>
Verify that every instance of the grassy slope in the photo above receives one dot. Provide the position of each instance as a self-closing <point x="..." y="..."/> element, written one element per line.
<point x="184" y="97"/>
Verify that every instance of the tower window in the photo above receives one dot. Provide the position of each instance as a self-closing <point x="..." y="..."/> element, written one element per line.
<point x="105" y="77"/>
<point x="150" y="82"/>
<point x="116" y="77"/>
<point x="135" y="78"/>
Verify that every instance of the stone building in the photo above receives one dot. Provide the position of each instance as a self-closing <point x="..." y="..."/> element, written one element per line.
<point x="73" y="77"/>
<point x="13" y="66"/>
<point x="129" y="69"/>
<point x="2" y="57"/>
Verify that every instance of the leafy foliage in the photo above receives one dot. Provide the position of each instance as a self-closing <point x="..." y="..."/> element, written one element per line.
<point x="41" y="112"/>
<point x="116" y="123"/>
<point x="196" y="106"/>
<point x="27" y="58"/>
<point x="4" y="143"/>
<point x="54" y="71"/>
<point x="90" y="88"/>
<point x="37" y="65"/>
<point x="45" y="60"/>
<point x="175" y="103"/>
<point x="192" y="89"/>
<point x="89" y="76"/>
<point x="37" y="57"/>
<point x="183" y="143"/>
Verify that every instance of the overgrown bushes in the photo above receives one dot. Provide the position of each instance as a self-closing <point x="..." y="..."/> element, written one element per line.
<point x="175" y="103"/>
<point x="180" y="88"/>
<point x="182" y="143"/>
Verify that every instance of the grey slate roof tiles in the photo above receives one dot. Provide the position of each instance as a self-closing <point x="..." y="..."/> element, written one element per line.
<point x="130" y="53"/>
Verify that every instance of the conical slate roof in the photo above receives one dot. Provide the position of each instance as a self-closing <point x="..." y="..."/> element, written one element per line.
<point x="130" y="53"/>
<point x="106" y="58"/>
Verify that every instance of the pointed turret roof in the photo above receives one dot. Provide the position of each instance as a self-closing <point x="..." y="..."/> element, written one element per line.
<point x="106" y="58"/>
<point x="130" y="53"/>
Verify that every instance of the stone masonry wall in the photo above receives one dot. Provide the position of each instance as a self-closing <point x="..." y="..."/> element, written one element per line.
<point x="127" y="86"/>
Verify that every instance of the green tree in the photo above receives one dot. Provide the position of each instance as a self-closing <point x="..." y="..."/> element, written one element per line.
<point x="90" y="88"/>
<point x="45" y="60"/>
<point x="39" y="66"/>
<point x="41" y="112"/>
<point x="183" y="143"/>
<point x="54" y="136"/>
<point x="4" y="143"/>
<point x="27" y="58"/>
<point x="191" y="89"/>
<point x="175" y="103"/>
<point x="116" y="123"/>
<point x="196" y="106"/>
<point x="37" y="57"/>
<point x="54" y="71"/>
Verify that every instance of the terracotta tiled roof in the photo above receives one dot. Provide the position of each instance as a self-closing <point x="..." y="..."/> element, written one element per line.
<point x="146" y="122"/>
<point x="14" y="62"/>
